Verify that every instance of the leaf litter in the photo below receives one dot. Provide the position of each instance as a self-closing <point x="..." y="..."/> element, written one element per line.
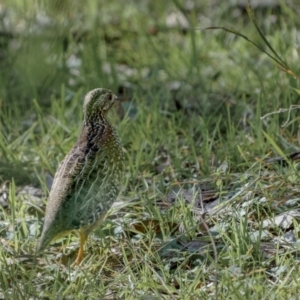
<point x="209" y="211"/>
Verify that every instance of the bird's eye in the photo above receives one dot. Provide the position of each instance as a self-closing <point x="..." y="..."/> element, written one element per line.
<point x="110" y="97"/>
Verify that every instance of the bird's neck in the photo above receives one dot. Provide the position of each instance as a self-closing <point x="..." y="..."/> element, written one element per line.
<point x="99" y="131"/>
<point x="96" y="118"/>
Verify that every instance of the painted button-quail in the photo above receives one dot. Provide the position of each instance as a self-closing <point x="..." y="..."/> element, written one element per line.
<point x="89" y="178"/>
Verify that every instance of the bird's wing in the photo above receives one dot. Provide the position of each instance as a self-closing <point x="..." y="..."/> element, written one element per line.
<point x="77" y="182"/>
<point x="68" y="169"/>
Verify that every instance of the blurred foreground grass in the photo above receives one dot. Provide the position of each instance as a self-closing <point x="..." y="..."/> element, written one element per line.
<point x="192" y="130"/>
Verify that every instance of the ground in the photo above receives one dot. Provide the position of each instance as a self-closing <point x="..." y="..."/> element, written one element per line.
<point x="205" y="210"/>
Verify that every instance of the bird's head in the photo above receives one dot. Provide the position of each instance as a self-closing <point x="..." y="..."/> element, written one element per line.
<point x="98" y="101"/>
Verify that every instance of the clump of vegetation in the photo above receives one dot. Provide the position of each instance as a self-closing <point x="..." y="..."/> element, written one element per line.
<point x="205" y="211"/>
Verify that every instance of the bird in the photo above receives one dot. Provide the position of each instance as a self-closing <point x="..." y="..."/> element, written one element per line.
<point x="89" y="178"/>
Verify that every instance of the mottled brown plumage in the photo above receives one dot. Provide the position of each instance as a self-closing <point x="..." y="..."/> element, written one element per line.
<point x="88" y="180"/>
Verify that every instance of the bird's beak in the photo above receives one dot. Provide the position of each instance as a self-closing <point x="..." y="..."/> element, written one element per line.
<point x="116" y="100"/>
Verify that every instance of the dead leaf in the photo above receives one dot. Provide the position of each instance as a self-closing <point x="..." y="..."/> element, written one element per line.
<point x="284" y="220"/>
<point x="152" y="225"/>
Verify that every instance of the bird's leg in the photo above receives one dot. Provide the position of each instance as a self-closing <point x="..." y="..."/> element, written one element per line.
<point x="83" y="238"/>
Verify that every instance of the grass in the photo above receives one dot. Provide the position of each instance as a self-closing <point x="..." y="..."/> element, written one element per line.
<point x="191" y="128"/>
